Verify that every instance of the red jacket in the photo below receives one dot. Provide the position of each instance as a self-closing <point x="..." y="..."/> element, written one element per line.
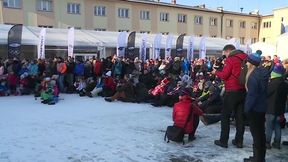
<point x="109" y="83"/>
<point x="98" y="68"/>
<point x="12" y="79"/>
<point x="231" y="71"/>
<point x="181" y="111"/>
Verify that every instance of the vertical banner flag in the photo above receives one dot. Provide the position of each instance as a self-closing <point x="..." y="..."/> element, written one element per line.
<point x="157" y="46"/>
<point x="190" y="50"/>
<point x="131" y="45"/>
<point x="121" y="44"/>
<point x="202" y="48"/>
<point x="248" y="48"/>
<point x="41" y="44"/>
<point x="143" y="46"/>
<point x="14" y="41"/>
<point x="168" y="46"/>
<point x="71" y="42"/>
<point x="179" y="45"/>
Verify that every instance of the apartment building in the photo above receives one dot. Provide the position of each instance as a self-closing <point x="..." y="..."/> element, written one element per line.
<point x="132" y="15"/>
<point x="271" y="25"/>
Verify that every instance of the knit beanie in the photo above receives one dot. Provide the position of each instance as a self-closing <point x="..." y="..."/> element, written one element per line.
<point x="279" y="68"/>
<point x="255" y="58"/>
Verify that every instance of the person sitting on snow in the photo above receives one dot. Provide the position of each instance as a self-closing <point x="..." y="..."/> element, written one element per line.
<point x="181" y="112"/>
<point x="51" y="94"/>
<point x="124" y="91"/>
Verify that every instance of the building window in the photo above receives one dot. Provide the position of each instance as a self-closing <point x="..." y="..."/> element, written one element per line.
<point x="267" y="24"/>
<point x="253" y="40"/>
<point x="45" y="26"/>
<point x="122" y="30"/>
<point x="148" y="32"/>
<point x="242" y="24"/>
<point x="242" y="40"/>
<point x="213" y="36"/>
<point x="213" y="21"/>
<point x="100" y="11"/>
<point x="282" y="19"/>
<point x="164" y="16"/>
<point x="198" y="20"/>
<point x="144" y="15"/>
<point x="254" y="25"/>
<point x="100" y="29"/>
<point x="229" y="23"/>
<point x="73" y="8"/>
<point x="182" y="18"/>
<point x="198" y="35"/>
<point x="12" y="3"/>
<point x="263" y="39"/>
<point x="44" y="5"/>
<point x="123" y="12"/>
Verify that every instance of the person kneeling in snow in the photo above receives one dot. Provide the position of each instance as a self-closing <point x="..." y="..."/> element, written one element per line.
<point x="182" y="110"/>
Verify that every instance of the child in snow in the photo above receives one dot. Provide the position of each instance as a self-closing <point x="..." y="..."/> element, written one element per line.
<point x="51" y="94"/>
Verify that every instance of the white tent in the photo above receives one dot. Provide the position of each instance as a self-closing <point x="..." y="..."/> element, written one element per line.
<point x="91" y="38"/>
<point x="282" y="46"/>
<point x="266" y="48"/>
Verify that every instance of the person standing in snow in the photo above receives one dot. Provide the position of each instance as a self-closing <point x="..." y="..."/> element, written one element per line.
<point x="234" y="96"/>
<point x="256" y="105"/>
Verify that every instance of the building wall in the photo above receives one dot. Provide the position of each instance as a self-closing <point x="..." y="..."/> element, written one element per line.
<point x="59" y="18"/>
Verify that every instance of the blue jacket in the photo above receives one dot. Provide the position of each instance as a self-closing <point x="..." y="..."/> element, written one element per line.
<point x="33" y="69"/>
<point x="256" y="98"/>
<point x="79" y="69"/>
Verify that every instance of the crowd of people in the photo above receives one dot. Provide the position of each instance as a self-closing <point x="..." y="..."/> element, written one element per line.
<point x="211" y="84"/>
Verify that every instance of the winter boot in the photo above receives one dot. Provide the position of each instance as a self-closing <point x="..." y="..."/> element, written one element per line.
<point x="237" y="144"/>
<point x="221" y="144"/>
<point x="276" y="145"/>
<point x="108" y="99"/>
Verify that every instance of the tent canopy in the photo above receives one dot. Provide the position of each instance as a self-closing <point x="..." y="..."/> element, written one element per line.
<point x="266" y="48"/>
<point x="58" y="37"/>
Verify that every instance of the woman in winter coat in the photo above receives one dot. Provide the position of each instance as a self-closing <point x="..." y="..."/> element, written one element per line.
<point x="277" y="95"/>
<point x="181" y="112"/>
<point x="256" y="105"/>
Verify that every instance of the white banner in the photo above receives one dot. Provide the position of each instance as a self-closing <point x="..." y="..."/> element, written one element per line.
<point x="202" y="48"/>
<point x="157" y="46"/>
<point x="168" y="47"/>
<point x="121" y="44"/>
<point x="71" y="41"/>
<point x="41" y="44"/>
<point x="143" y="46"/>
<point x="190" y="49"/>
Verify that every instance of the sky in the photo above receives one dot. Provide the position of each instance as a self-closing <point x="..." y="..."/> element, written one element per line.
<point x="265" y="7"/>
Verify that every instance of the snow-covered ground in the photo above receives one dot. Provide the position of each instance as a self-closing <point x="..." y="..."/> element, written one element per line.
<point x="90" y="129"/>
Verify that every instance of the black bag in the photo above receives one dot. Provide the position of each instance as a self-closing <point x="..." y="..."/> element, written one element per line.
<point x="175" y="133"/>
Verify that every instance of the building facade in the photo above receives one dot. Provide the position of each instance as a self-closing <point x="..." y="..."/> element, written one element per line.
<point x="132" y="15"/>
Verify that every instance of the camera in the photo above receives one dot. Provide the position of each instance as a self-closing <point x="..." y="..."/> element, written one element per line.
<point x="219" y="62"/>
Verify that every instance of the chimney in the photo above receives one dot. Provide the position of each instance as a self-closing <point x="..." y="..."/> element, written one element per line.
<point x="220" y="8"/>
<point x="173" y="1"/>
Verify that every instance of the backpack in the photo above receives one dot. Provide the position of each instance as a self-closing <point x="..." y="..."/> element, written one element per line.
<point x="243" y="71"/>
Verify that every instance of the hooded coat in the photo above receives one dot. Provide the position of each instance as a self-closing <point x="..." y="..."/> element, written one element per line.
<point x="181" y="111"/>
<point x="257" y="85"/>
